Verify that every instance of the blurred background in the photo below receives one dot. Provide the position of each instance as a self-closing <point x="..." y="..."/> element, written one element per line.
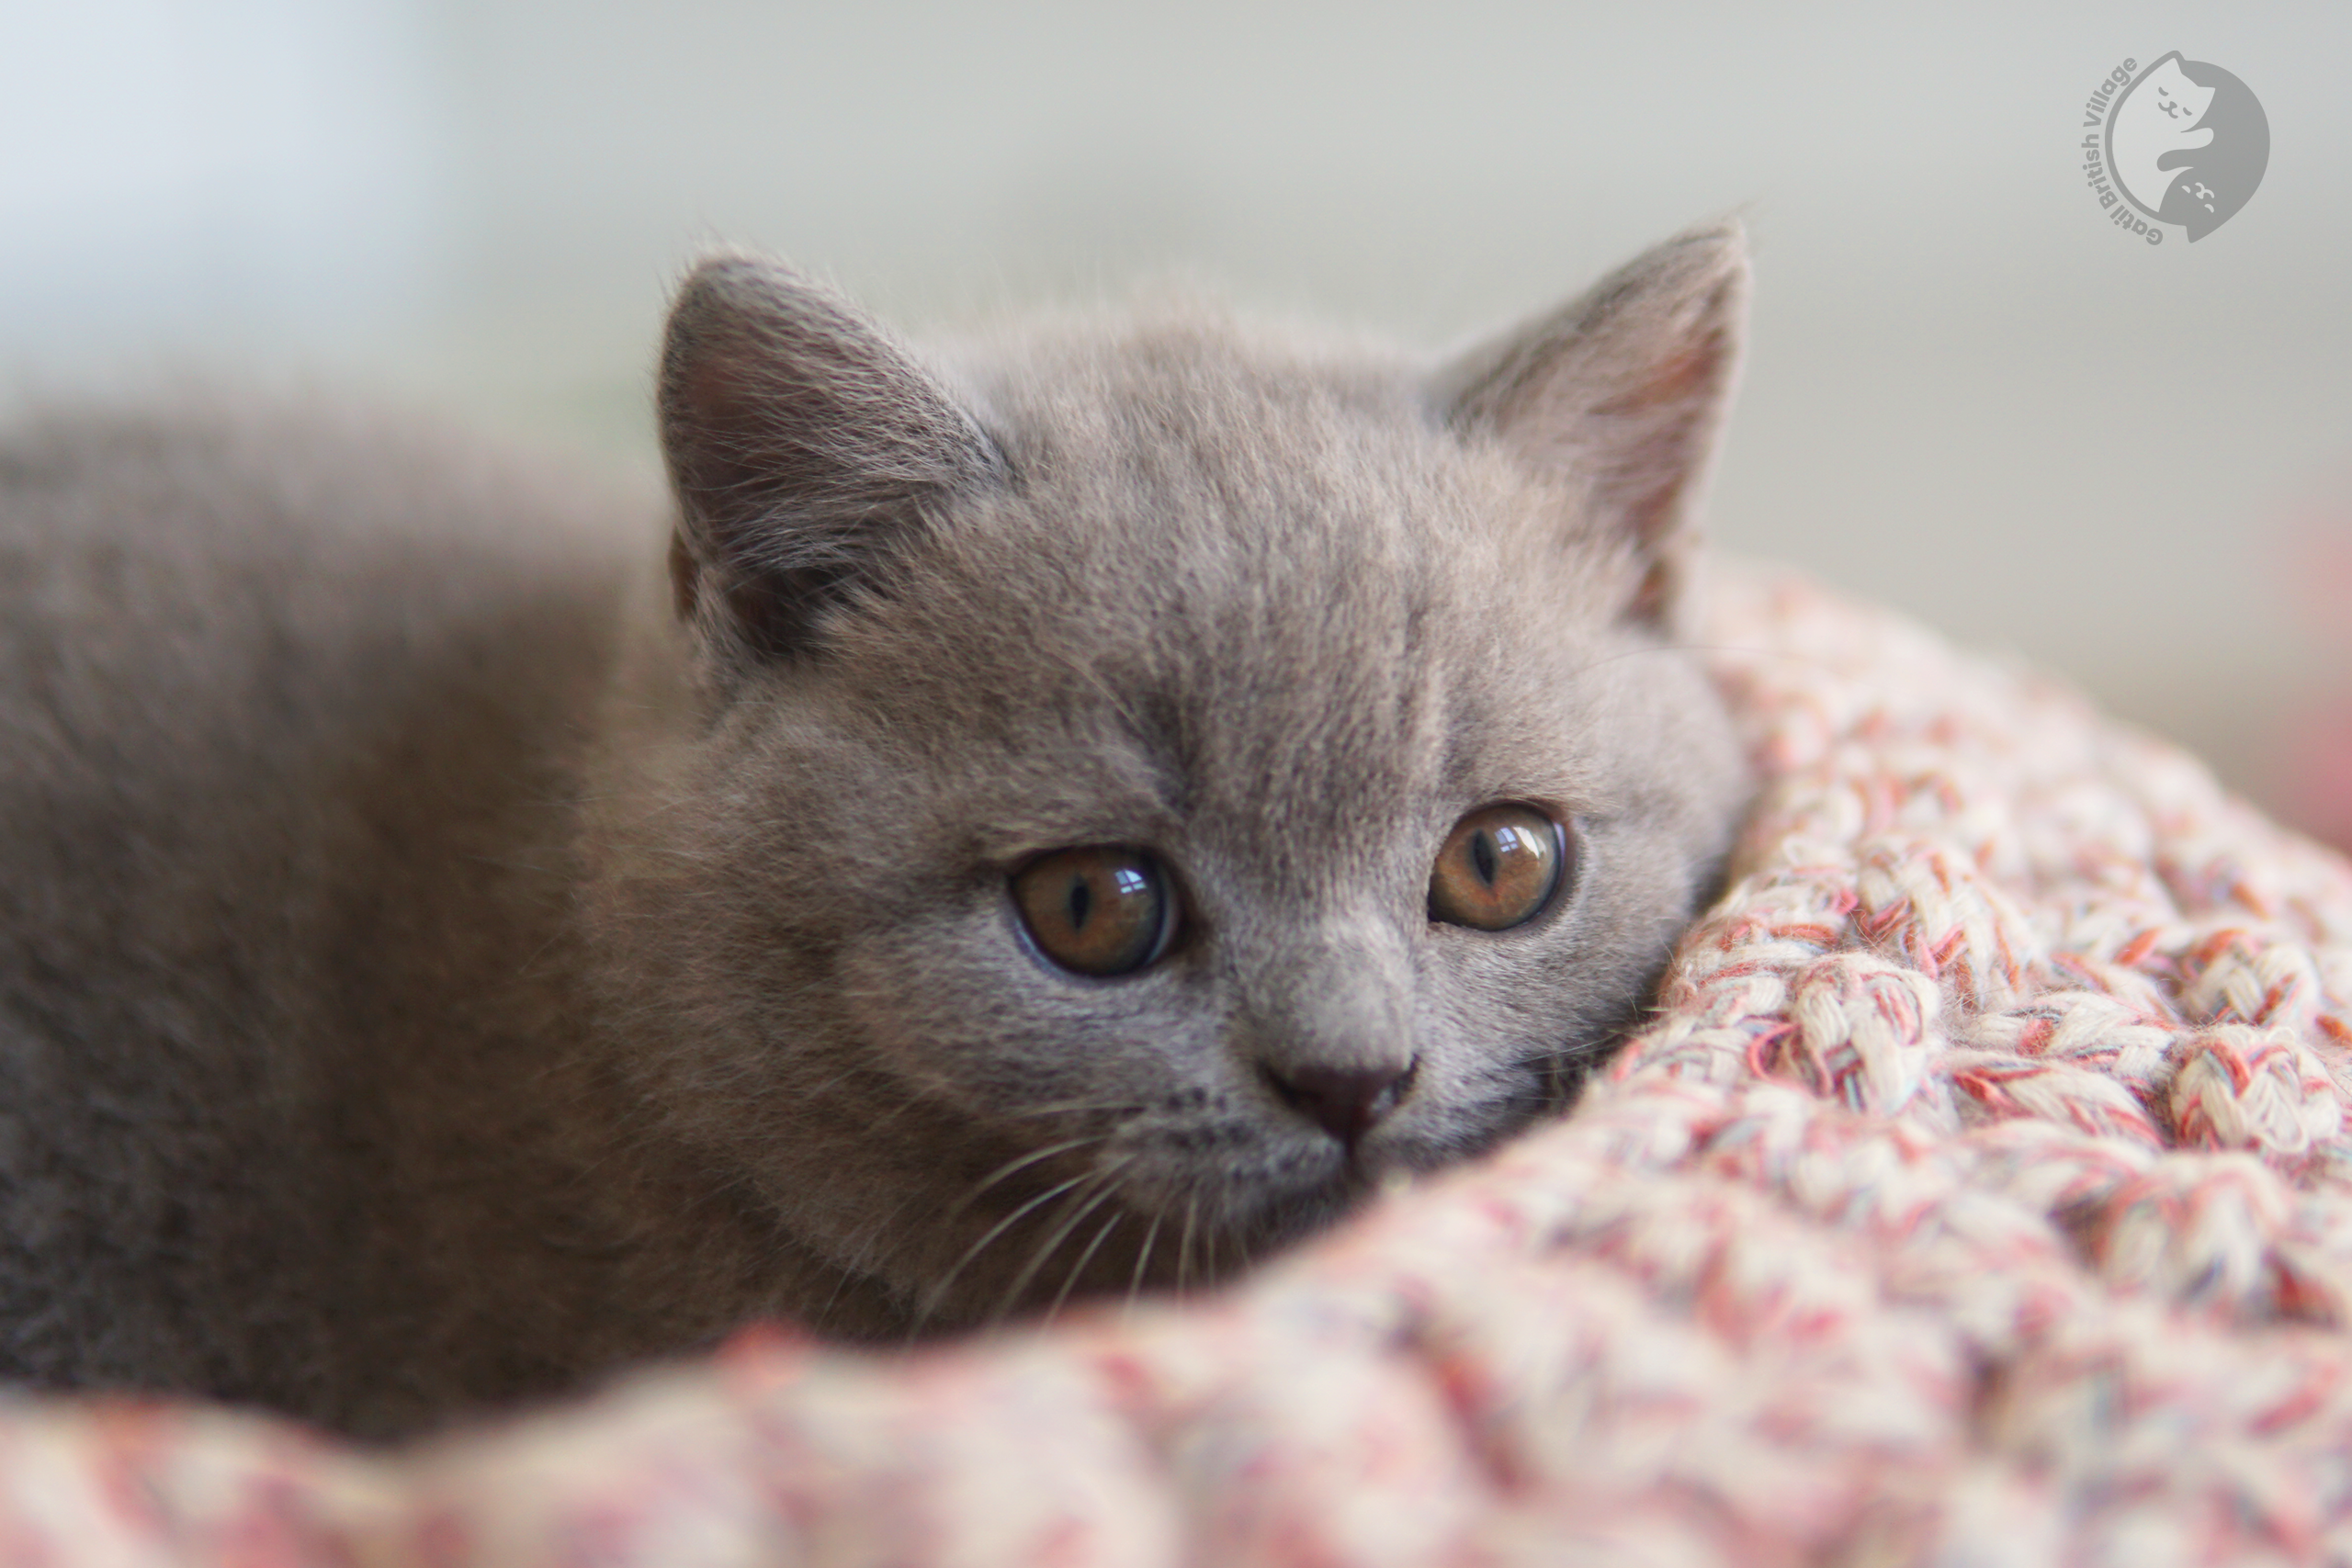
<point x="1969" y="394"/>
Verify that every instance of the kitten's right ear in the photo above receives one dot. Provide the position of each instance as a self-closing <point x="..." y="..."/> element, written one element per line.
<point x="803" y="442"/>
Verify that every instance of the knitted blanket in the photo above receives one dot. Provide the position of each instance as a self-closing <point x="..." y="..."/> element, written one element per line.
<point x="1982" y="1193"/>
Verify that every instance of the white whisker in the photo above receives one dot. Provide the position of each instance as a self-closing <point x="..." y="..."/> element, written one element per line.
<point x="1084" y="1259"/>
<point x="938" y="1291"/>
<point x="1143" y="1263"/>
<point x="1086" y="1201"/>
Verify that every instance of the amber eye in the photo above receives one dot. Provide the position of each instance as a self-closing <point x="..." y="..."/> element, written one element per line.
<point x="1499" y="866"/>
<point x="1098" y="911"/>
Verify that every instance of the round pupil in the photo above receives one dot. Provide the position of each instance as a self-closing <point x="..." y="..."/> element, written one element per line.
<point x="1097" y="911"/>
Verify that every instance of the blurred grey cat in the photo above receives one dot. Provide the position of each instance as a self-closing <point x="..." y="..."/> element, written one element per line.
<point x="1071" y="817"/>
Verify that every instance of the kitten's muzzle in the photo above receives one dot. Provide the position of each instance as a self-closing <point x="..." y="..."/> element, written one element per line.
<point x="1330" y="1022"/>
<point x="1345" y="1102"/>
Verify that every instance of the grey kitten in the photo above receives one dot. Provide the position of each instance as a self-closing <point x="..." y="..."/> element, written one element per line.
<point x="1073" y="815"/>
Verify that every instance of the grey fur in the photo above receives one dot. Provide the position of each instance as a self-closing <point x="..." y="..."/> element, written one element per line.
<point x="441" y="960"/>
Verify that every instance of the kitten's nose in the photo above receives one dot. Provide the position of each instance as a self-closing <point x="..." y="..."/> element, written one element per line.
<point x="1344" y="1102"/>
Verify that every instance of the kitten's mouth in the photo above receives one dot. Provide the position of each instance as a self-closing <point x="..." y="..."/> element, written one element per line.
<point x="1169" y="1209"/>
<point x="1286" y="1201"/>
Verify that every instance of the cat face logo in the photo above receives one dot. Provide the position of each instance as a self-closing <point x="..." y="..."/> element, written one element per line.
<point x="2187" y="143"/>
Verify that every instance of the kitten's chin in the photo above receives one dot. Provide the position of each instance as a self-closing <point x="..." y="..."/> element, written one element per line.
<point x="1294" y="1190"/>
<point x="1177" y="1222"/>
<point x="1241" y="1217"/>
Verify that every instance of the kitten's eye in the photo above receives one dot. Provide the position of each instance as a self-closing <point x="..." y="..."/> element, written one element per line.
<point x="1499" y="866"/>
<point x="1098" y="911"/>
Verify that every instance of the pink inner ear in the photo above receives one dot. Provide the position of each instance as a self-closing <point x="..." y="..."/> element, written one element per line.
<point x="706" y="397"/>
<point x="1650" y="600"/>
<point x="1685" y="378"/>
<point x="722" y="398"/>
<point x="1660" y="426"/>
<point x="712" y="387"/>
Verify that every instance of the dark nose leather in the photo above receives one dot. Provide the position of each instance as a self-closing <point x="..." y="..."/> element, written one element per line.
<point x="1345" y="1102"/>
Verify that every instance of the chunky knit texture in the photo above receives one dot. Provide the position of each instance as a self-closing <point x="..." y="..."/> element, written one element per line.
<point x="1982" y="1193"/>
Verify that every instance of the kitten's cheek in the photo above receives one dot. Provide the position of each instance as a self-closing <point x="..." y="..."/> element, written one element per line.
<point x="959" y="1012"/>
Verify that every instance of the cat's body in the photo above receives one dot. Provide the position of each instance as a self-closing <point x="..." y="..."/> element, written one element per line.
<point x="290" y="1090"/>
<point x="440" y="958"/>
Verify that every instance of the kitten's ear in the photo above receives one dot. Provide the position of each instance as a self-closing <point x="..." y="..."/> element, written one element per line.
<point x="1622" y="393"/>
<point x="802" y="442"/>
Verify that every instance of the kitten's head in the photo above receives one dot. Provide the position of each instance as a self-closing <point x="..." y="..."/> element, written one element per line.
<point x="1139" y="785"/>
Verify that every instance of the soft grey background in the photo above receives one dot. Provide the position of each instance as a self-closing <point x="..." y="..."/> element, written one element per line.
<point x="1969" y="394"/>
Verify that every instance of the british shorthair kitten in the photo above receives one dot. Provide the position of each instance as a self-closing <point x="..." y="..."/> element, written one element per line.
<point x="1072" y="814"/>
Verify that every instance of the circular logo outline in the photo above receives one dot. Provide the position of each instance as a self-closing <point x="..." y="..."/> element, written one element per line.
<point x="2240" y="139"/>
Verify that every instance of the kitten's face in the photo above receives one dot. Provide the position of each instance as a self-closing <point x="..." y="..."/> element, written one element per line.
<point x="1260" y="637"/>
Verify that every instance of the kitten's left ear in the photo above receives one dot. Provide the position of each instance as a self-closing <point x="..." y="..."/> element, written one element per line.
<point x="1622" y="393"/>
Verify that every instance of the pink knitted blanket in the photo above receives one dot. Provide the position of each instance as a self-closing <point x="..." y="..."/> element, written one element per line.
<point x="1981" y="1194"/>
